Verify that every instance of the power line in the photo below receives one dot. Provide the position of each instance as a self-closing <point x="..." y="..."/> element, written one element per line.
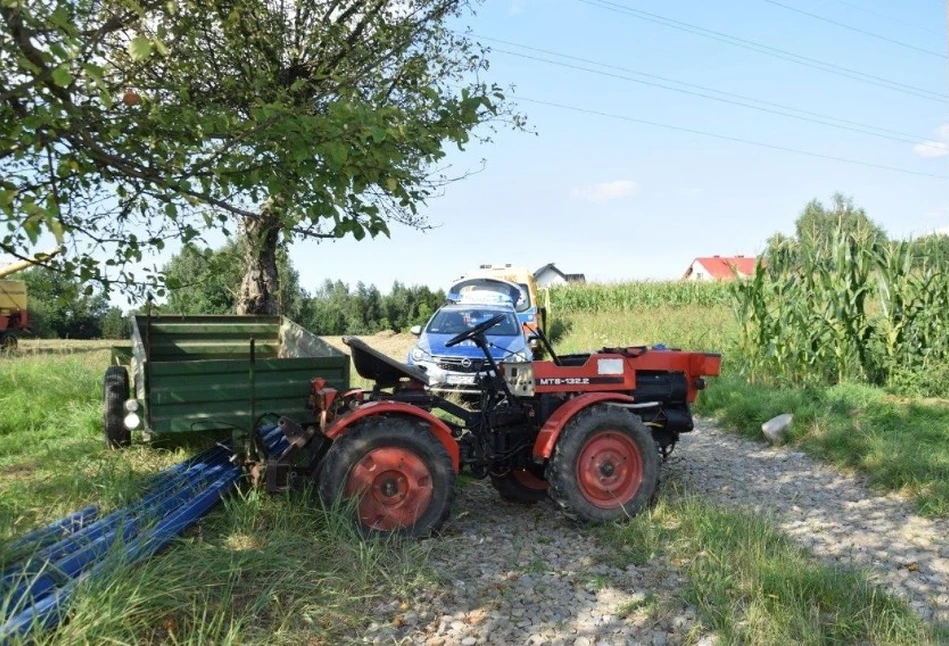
<point x="740" y="140"/>
<point x="738" y="99"/>
<point x="768" y="50"/>
<point x="856" y="29"/>
<point x="891" y="18"/>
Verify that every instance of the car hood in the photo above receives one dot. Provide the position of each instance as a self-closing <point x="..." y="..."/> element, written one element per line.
<point x="434" y="344"/>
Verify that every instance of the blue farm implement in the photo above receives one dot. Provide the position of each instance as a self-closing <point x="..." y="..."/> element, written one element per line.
<point x="48" y="564"/>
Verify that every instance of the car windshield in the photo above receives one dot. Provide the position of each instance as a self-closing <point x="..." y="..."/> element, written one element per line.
<point x="456" y="321"/>
<point x="488" y="285"/>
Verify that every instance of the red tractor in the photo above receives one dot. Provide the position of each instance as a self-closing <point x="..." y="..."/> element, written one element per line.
<point x="587" y="430"/>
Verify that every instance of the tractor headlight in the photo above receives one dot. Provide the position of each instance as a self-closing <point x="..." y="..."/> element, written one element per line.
<point x="132" y="421"/>
<point x="131" y="405"/>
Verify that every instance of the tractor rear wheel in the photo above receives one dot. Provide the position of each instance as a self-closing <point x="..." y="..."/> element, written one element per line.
<point x="525" y="486"/>
<point x="398" y="475"/>
<point x="605" y="466"/>
<point x="115" y="392"/>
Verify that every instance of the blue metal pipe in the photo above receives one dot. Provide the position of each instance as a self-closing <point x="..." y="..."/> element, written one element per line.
<point x="123" y="530"/>
<point x="176" y="499"/>
<point x="91" y="532"/>
<point x="47" y="612"/>
<point x="32" y="541"/>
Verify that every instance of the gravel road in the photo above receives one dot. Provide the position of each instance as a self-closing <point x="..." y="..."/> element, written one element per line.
<point x="836" y="516"/>
<point x="524" y="575"/>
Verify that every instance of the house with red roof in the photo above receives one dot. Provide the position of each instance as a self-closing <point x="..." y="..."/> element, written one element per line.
<point x="720" y="268"/>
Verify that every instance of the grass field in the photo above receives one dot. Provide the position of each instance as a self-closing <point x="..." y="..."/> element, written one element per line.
<point x="274" y="569"/>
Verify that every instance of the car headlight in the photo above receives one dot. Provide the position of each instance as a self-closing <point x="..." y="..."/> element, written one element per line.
<point x="418" y="354"/>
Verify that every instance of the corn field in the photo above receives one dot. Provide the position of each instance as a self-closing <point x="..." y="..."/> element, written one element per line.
<point x="853" y="311"/>
<point x="632" y="296"/>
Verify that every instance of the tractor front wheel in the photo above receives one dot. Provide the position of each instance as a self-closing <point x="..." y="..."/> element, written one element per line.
<point x="115" y="392"/>
<point x="396" y="473"/>
<point x="524" y="486"/>
<point x="605" y="466"/>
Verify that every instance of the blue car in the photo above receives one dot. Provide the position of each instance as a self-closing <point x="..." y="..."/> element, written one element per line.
<point x="455" y="369"/>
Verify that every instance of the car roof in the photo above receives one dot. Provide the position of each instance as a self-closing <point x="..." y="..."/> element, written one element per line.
<point x="496" y="307"/>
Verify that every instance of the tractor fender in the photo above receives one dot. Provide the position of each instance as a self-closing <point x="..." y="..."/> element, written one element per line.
<point x="550" y="431"/>
<point x="438" y="428"/>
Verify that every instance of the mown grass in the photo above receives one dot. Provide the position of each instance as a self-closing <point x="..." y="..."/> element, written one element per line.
<point x="752" y="585"/>
<point x="52" y="453"/>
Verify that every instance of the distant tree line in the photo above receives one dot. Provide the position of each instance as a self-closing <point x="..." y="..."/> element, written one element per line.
<point x="818" y="227"/>
<point x="208" y="281"/>
<point x="60" y="308"/>
<point x="203" y="281"/>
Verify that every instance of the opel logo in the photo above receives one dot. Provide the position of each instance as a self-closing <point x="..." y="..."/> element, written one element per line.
<point x="466" y="363"/>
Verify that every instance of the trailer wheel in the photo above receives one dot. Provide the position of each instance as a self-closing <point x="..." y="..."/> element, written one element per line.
<point x="115" y="392"/>
<point x="8" y="342"/>
<point x="525" y="486"/>
<point x="398" y="474"/>
<point x="605" y="466"/>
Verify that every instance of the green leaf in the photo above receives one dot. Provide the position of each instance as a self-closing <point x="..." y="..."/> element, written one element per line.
<point x="140" y="48"/>
<point x="62" y="76"/>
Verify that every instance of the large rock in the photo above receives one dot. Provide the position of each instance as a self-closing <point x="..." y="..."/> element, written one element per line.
<point x="776" y="428"/>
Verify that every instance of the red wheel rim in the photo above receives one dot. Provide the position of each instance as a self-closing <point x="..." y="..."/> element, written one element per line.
<point x="395" y="488"/>
<point x="529" y="480"/>
<point x="610" y="469"/>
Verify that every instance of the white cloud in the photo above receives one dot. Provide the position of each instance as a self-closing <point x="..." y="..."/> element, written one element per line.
<point x="935" y="148"/>
<point x="606" y="190"/>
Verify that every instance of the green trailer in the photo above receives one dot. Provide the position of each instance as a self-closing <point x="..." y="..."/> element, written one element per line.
<point x="191" y="374"/>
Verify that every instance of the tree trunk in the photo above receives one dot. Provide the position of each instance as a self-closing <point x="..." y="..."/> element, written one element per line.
<point x="261" y="283"/>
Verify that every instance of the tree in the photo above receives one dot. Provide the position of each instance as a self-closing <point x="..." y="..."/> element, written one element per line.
<point x="59" y="308"/>
<point x="205" y="281"/>
<point x="125" y="125"/>
<point x="815" y="231"/>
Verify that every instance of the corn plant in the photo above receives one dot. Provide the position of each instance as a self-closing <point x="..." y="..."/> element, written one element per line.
<point x="853" y="310"/>
<point x="630" y="296"/>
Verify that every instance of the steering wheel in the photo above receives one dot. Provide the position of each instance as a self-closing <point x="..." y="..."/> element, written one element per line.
<point x="480" y="328"/>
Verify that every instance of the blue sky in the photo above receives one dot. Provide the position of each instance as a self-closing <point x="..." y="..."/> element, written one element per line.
<point x="621" y="200"/>
<point x="618" y="200"/>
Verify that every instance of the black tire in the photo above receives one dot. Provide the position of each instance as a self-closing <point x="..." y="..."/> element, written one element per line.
<point x="423" y="468"/>
<point x="523" y="490"/>
<point x="8" y="342"/>
<point x="115" y="392"/>
<point x="623" y="447"/>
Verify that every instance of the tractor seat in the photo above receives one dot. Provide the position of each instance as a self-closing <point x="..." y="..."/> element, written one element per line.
<point x="384" y="370"/>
